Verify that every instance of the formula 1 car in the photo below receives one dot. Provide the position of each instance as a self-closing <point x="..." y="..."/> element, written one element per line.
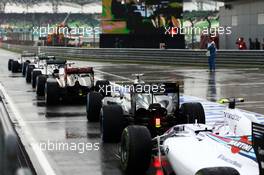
<point x="155" y="106"/>
<point x="72" y="84"/>
<point x="232" y="147"/>
<point x="19" y="65"/>
<point x="38" y="63"/>
<point x="50" y="69"/>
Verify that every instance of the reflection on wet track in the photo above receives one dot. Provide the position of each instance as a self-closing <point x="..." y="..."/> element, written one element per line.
<point x="68" y="124"/>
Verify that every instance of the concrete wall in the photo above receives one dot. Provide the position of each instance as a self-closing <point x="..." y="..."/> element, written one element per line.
<point x="247" y="22"/>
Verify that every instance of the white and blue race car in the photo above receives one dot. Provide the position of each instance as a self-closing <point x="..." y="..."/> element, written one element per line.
<point x="234" y="146"/>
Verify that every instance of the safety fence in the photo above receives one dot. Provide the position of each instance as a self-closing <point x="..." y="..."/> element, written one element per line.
<point x="225" y="58"/>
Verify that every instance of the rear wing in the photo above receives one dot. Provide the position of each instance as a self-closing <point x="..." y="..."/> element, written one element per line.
<point x="56" y="62"/>
<point x="81" y="70"/>
<point x="46" y="57"/>
<point x="156" y="88"/>
<point x="28" y="55"/>
<point x="258" y="144"/>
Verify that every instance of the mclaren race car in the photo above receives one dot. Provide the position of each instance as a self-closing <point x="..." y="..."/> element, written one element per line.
<point x="154" y="105"/>
<point x="232" y="147"/>
<point x="20" y="64"/>
<point x="71" y="85"/>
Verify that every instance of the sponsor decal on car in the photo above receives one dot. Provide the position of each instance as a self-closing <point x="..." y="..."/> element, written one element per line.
<point x="232" y="117"/>
<point x="243" y="144"/>
<point x="237" y="145"/>
<point x="233" y="162"/>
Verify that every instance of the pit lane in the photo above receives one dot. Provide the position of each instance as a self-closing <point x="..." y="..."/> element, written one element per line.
<point x="68" y="124"/>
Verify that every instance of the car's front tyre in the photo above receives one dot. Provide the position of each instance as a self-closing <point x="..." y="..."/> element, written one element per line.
<point x="51" y="92"/>
<point x="112" y="123"/>
<point x="136" y="149"/>
<point x="93" y="106"/>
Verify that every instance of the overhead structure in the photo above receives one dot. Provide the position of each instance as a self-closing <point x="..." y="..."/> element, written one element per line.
<point x="55" y="3"/>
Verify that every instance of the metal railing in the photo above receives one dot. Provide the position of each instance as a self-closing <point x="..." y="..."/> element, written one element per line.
<point x="231" y="58"/>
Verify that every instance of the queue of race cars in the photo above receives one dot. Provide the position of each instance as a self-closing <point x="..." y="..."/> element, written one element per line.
<point x="148" y="122"/>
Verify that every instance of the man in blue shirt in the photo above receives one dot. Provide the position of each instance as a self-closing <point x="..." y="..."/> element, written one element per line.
<point x="212" y="50"/>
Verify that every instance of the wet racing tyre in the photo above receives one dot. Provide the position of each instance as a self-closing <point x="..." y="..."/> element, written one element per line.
<point x="51" y="92"/>
<point x="112" y="123"/>
<point x="192" y="113"/>
<point x="93" y="106"/>
<point x="10" y="64"/>
<point x="24" y="68"/>
<point x="40" y="85"/>
<point x="103" y="86"/>
<point x="218" y="171"/>
<point x="15" y="66"/>
<point x="136" y="149"/>
<point x="29" y="69"/>
<point x="34" y="75"/>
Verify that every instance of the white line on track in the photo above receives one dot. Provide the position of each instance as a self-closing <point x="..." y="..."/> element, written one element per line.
<point x="55" y="121"/>
<point x="42" y="159"/>
<point x="114" y="75"/>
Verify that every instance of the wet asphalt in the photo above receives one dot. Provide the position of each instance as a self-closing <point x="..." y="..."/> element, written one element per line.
<point x="68" y="124"/>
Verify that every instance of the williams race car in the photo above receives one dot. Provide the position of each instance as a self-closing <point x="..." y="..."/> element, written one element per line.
<point x="155" y="106"/>
<point x="38" y="63"/>
<point x="40" y="75"/>
<point x="20" y="64"/>
<point x="232" y="147"/>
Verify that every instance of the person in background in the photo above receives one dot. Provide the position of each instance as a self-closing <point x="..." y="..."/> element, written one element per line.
<point x="241" y="44"/>
<point x="263" y="44"/>
<point x="211" y="47"/>
<point x="251" y="44"/>
<point x="257" y="43"/>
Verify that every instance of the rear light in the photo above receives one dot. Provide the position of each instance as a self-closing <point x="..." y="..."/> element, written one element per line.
<point x="159" y="172"/>
<point x="156" y="162"/>
<point x="157" y="123"/>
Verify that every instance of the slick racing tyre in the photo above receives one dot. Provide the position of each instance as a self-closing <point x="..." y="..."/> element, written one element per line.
<point x="103" y="86"/>
<point x="15" y="66"/>
<point x="10" y="64"/>
<point x="34" y="75"/>
<point x="136" y="149"/>
<point x="93" y="106"/>
<point x="29" y="69"/>
<point x="40" y="85"/>
<point x="112" y="123"/>
<point x="51" y="92"/>
<point x="24" y="68"/>
<point x="191" y="113"/>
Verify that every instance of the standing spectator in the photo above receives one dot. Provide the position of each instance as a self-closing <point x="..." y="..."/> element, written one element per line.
<point x="251" y="44"/>
<point x="212" y="54"/>
<point x="257" y="43"/>
<point x="241" y="44"/>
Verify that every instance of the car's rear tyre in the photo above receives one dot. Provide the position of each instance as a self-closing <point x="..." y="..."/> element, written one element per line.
<point x="34" y="75"/>
<point x="112" y="123"/>
<point x="218" y="171"/>
<point x="40" y="85"/>
<point x="24" y="68"/>
<point x="192" y="113"/>
<point x="51" y="92"/>
<point x="93" y="106"/>
<point x="15" y="66"/>
<point x="136" y="148"/>
<point x="29" y="69"/>
<point x="10" y="64"/>
<point x="103" y="87"/>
